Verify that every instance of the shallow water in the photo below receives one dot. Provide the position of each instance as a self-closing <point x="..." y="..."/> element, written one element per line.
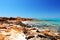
<point x="53" y="24"/>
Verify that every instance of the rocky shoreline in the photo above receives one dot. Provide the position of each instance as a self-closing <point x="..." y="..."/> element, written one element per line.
<point x="13" y="29"/>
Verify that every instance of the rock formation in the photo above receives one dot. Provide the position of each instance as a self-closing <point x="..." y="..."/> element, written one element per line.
<point x="14" y="29"/>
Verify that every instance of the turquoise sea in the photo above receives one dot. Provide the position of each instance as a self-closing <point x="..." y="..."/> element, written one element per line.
<point x="47" y="23"/>
<point x="55" y="21"/>
<point x="50" y="23"/>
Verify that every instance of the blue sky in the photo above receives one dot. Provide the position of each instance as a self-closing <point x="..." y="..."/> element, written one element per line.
<point x="30" y="8"/>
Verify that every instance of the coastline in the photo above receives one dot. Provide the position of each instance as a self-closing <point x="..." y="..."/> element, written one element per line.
<point x="16" y="29"/>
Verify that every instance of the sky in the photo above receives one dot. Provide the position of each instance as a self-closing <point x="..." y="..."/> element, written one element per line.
<point x="30" y="8"/>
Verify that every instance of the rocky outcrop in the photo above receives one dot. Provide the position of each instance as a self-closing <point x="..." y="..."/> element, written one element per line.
<point x="17" y="18"/>
<point x="14" y="29"/>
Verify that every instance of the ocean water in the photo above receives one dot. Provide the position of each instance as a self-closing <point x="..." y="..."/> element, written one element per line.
<point x="50" y="23"/>
<point x="53" y="21"/>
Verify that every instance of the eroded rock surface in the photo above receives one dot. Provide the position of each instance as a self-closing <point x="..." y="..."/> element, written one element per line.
<point x="14" y="29"/>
